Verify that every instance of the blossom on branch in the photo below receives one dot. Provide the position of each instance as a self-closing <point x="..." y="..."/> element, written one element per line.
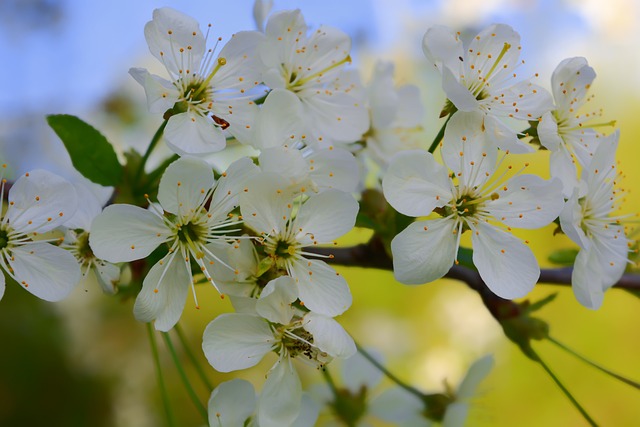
<point x="471" y="198"/>
<point x="588" y="220"/>
<point x="205" y="94"/>
<point x="193" y="215"/>
<point x="38" y="202"/>
<point x="481" y="78"/>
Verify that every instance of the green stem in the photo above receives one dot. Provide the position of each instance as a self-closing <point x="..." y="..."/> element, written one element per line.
<point x="187" y="385"/>
<point x="565" y="390"/>
<point x="154" y="141"/>
<point x="163" y="389"/>
<point x="192" y="357"/>
<point x="439" y="136"/>
<point x="389" y="374"/>
<point x="595" y="365"/>
<point x="332" y="385"/>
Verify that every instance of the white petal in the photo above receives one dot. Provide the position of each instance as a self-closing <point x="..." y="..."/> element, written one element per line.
<point x="191" y="133"/>
<point x="184" y="185"/>
<point x="506" y="265"/>
<point x="466" y="134"/>
<point x="288" y="163"/>
<point x="234" y="341"/>
<point x="563" y="167"/>
<point x="410" y="111"/>
<point x="280" y="118"/>
<point x="309" y="411"/>
<point x="443" y="48"/>
<point x="231" y="403"/>
<point x="161" y="94"/>
<point x="548" y="132"/>
<point x="424" y="251"/>
<point x="2" y="284"/>
<point x="107" y="275"/>
<point x="164" y="292"/>
<point x="276" y="298"/>
<point x="494" y="54"/>
<point x="261" y="9"/>
<point x="48" y="272"/>
<point x="264" y="204"/>
<point x="571" y="220"/>
<point x="240" y="71"/>
<point x="523" y="100"/>
<point x="457" y="93"/>
<point x="229" y="186"/>
<point x="415" y="184"/>
<point x="475" y="375"/>
<point x="527" y="201"/>
<point x="505" y="138"/>
<point x="396" y="405"/>
<point x="321" y="288"/>
<point x="123" y="233"/>
<point x="40" y="200"/>
<point x="335" y="116"/>
<point x="241" y="115"/>
<point x="586" y="279"/>
<point x="456" y="415"/>
<point x="280" y="399"/>
<point x="570" y="82"/>
<point x="90" y="206"/>
<point x="358" y="372"/>
<point x="383" y="98"/>
<point x="326" y="216"/>
<point x="171" y="30"/>
<point x="329" y="336"/>
<point x="334" y="168"/>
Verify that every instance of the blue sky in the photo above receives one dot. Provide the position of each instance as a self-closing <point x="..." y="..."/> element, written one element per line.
<point x="85" y="54"/>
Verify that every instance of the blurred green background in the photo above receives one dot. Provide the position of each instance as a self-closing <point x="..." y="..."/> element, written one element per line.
<point x="86" y="361"/>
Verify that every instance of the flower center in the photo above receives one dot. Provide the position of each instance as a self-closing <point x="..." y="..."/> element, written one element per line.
<point x="4" y="239"/>
<point x="82" y="246"/>
<point x="303" y="347"/>
<point x="191" y="233"/>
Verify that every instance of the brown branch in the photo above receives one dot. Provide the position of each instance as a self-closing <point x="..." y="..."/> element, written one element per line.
<point x="374" y="255"/>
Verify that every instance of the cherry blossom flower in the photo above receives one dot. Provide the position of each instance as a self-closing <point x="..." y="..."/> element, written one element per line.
<point x="469" y="199"/>
<point x="568" y="134"/>
<point x="193" y="215"/>
<point x="285" y="230"/>
<point x="205" y="94"/>
<point x="588" y="220"/>
<point x="38" y="202"/>
<point x="396" y="116"/>
<point x="235" y="341"/>
<point x="482" y="78"/>
<point x="312" y="68"/>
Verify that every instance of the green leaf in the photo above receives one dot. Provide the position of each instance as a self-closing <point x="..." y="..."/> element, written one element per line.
<point x="91" y="154"/>
<point x="541" y="303"/>
<point x="465" y="257"/>
<point x="564" y="257"/>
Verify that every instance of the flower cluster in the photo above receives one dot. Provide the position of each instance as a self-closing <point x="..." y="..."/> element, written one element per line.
<point x="261" y="231"/>
<point x="470" y="191"/>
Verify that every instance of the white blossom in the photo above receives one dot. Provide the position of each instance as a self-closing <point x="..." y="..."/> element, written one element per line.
<point x="588" y="220"/>
<point x="481" y="78"/>
<point x="38" y="202"/>
<point x="205" y="94"/>
<point x="396" y="116"/>
<point x="468" y="199"/>
<point x="235" y="341"/>
<point x="311" y="66"/>
<point x="566" y="132"/>
<point x="272" y="211"/>
<point x="123" y="233"/>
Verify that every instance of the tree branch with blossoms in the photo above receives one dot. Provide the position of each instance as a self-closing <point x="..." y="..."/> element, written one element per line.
<point x="261" y="230"/>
